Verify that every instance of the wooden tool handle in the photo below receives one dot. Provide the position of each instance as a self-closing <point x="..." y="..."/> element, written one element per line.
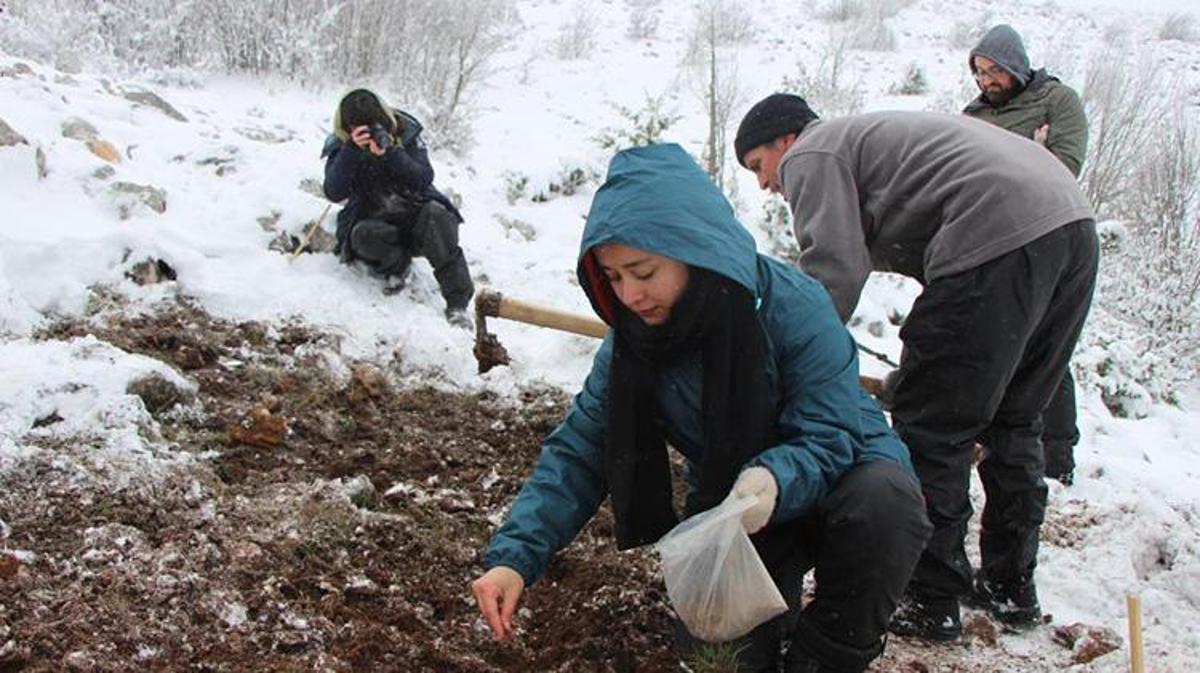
<point x="515" y="309"/>
<point x="492" y="303"/>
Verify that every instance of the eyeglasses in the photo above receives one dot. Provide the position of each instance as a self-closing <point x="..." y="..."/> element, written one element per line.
<point x="995" y="72"/>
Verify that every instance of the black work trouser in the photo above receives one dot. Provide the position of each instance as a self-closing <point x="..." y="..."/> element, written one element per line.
<point x="862" y="541"/>
<point x="984" y="350"/>
<point x="388" y="247"/>
<point x="1060" y="433"/>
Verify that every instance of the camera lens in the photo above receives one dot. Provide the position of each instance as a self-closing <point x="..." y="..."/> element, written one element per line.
<point x="380" y="135"/>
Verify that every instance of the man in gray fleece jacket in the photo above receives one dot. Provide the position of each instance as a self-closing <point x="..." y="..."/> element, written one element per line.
<point x="1008" y="265"/>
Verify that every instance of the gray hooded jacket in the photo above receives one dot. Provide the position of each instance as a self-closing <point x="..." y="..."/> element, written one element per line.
<point x="1002" y="45"/>
<point x="922" y="194"/>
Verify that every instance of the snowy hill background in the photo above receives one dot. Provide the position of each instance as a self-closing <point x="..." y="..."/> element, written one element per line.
<point x="232" y="155"/>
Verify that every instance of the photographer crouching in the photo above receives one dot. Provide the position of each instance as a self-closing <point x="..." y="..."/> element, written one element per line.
<point x="376" y="161"/>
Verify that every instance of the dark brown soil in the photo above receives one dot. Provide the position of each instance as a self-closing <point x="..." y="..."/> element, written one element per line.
<point x="316" y="520"/>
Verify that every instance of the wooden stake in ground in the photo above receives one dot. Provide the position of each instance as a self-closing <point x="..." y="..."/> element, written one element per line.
<point x="1134" y="603"/>
<point x="309" y="231"/>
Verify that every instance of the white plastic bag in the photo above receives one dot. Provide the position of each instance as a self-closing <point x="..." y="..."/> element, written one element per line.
<point x="717" y="583"/>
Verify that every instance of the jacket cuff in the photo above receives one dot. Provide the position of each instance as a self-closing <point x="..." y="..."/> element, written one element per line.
<point x="519" y="562"/>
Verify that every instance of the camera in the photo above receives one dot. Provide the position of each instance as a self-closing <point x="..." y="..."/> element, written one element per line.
<point x="380" y="135"/>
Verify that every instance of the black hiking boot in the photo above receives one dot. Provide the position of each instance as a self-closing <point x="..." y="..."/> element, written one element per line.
<point x="1065" y="478"/>
<point x="1014" y="604"/>
<point x="934" y="619"/>
<point x="394" y="284"/>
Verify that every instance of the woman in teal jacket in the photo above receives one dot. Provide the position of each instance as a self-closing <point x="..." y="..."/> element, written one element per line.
<point x="741" y="363"/>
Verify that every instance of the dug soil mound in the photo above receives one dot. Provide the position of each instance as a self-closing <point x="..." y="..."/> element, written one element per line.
<point x="303" y="517"/>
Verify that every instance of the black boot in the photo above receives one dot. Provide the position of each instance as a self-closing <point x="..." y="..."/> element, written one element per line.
<point x="1012" y="603"/>
<point x="460" y="318"/>
<point x="935" y="619"/>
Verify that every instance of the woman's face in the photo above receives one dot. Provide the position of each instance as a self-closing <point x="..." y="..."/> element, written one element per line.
<point x="647" y="284"/>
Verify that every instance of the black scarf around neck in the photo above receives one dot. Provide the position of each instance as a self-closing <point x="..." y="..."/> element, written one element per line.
<point x="717" y="316"/>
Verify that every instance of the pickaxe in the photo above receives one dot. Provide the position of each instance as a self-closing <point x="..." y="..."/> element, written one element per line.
<point x="489" y="352"/>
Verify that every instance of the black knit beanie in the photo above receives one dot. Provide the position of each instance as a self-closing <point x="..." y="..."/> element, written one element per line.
<point x="776" y="115"/>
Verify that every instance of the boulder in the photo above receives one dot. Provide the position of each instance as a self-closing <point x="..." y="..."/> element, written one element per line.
<point x="130" y="195"/>
<point x="155" y="101"/>
<point x="105" y="150"/>
<point x="79" y="129"/>
<point x="9" y="137"/>
<point x="150" y="271"/>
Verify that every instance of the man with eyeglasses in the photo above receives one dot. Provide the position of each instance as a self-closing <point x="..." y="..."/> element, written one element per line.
<point x="1028" y="102"/>
<point x="1035" y="105"/>
<point x="1004" y="243"/>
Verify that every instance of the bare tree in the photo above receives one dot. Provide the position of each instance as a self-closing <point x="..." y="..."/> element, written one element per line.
<point x="716" y="24"/>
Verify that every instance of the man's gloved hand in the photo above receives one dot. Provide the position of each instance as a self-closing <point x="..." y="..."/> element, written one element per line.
<point x="756" y="481"/>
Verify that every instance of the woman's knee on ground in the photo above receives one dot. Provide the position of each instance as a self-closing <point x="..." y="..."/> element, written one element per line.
<point x="879" y="502"/>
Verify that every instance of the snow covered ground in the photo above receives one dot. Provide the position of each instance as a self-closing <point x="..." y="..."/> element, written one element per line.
<point x="1133" y="515"/>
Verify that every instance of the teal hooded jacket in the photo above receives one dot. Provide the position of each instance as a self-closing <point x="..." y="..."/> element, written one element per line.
<point x="658" y="200"/>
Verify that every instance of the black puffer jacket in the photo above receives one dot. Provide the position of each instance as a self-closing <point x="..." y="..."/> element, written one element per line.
<point x="358" y="177"/>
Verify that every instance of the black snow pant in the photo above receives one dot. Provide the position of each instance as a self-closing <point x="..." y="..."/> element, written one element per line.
<point x="388" y="247"/>
<point x="862" y="540"/>
<point x="984" y="351"/>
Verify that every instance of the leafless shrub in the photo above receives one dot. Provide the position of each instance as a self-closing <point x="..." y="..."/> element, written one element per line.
<point x="577" y="34"/>
<point x="443" y="46"/>
<point x="1115" y="34"/>
<point x="1166" y="184"/>
<point x="1121" y="101"/>
<point x="966" y="33"/>
<point x="643" y="19"/>
<point x="953" y="100"/>
<point x="826" y="87"/>
<point x="1181" y="26"/>
<point x="449" y="50"/>
<point x="1144" y="169"/>
<point x="841" y="11"/>
<point x="871" y="32"/>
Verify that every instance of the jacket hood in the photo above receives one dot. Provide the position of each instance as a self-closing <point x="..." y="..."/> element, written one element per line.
<point x="1003" y="46"/>
<point x="407" y="127"/>
<point x="656" y="198"/>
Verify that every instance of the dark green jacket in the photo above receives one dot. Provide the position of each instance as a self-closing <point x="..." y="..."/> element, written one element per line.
<point x="1045" y="100"/>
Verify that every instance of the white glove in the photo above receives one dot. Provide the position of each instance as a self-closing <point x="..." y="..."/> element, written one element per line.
<point x="760" y="483"/>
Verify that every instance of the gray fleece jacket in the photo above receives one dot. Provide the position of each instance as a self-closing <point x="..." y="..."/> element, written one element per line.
<point x="918" y="193"/>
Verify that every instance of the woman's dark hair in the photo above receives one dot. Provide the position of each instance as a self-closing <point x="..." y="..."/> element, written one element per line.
<point x="363" y="108"/>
